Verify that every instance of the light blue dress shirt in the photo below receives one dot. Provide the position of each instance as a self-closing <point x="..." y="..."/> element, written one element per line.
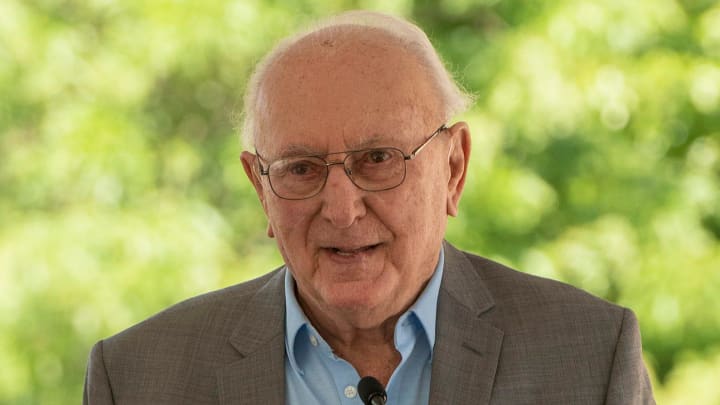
<point x="314" y="375"/>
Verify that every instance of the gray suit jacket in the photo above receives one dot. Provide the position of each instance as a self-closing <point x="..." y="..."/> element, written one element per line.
<point x="503" y="337"/>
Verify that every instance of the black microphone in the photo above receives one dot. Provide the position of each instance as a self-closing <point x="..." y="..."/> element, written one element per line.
<point x="371" y="391"/>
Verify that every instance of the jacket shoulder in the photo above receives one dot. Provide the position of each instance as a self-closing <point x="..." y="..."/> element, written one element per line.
<point x="174" y="355"/>
<point x="216" y="309"/>
<point x="557" y="336"/>
<point x="516" y="289"/>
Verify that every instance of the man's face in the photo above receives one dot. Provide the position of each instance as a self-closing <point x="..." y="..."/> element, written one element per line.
<point x="360" y="255"/>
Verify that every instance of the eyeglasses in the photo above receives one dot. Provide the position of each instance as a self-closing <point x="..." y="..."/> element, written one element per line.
<point x="375" y="169"/>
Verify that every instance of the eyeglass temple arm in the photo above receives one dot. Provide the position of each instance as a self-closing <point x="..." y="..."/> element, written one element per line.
<point x="417" y="150"/>
<point x="263" y="172"/>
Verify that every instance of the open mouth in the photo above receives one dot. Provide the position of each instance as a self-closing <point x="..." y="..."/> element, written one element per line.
<point x="351" y="252"/>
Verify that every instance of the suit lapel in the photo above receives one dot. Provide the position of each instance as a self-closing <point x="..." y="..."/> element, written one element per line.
<point x="259" y="338"/>
<point x="467" y="347"/>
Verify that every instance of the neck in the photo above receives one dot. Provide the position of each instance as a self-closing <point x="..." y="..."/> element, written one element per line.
<point x="370" y="350"/>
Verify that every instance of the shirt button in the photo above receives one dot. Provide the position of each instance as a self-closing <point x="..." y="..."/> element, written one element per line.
<point x="350" y="391"/>
<point x="313" y="340"/>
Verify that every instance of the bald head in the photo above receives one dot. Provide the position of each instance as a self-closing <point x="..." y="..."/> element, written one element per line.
<point x="350" y="73"/>
<point x="360" y="55"/>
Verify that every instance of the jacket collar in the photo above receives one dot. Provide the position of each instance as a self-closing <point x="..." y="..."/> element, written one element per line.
<point x="259" y="375"/>
<point x="467" y="347"/>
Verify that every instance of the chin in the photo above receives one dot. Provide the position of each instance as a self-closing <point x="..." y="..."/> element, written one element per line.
<point x="357" y="299"/>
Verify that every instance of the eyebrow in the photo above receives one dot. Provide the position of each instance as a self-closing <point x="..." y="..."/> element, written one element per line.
<point x="295" y="150"/>
<point x="374" y="141"/>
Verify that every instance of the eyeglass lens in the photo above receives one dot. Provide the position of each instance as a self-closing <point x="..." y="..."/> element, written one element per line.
<point x="371" y="170"/>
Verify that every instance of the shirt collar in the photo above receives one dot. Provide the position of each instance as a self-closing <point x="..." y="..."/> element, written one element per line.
<point x="295" y="319"/>
<point x="424" y="308"/>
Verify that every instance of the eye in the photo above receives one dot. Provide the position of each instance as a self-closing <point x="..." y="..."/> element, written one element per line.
<point x="297" y="168"/>
<point x="377" y="156"/>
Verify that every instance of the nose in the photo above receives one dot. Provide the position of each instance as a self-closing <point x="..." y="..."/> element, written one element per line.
<point x="343" y="203"/>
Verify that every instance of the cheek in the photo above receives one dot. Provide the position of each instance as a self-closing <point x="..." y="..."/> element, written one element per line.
<point x="288" y="219"/>
<point x="427" y="195"/>
<point x="424" y="210"/>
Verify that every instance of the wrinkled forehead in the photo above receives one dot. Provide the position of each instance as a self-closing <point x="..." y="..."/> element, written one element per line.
<point x="348" y="87"/>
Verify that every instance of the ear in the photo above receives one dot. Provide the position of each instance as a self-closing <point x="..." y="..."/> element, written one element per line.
<point x="458" y="158"/>
<point x="250" y="164"/>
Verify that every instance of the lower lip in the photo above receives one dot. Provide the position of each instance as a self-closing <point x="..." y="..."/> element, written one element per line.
<point x="354" y="257"/>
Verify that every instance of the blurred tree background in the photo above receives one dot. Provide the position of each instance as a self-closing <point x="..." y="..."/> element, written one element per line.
<point x="596" y="162"/>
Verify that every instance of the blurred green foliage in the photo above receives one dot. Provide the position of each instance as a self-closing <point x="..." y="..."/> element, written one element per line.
<point x="596" y="161"/>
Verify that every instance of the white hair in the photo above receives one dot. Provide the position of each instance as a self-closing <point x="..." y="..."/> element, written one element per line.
<point x="454" y="99"/>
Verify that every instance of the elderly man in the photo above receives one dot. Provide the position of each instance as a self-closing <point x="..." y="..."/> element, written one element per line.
<point x="357" y="168"/>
